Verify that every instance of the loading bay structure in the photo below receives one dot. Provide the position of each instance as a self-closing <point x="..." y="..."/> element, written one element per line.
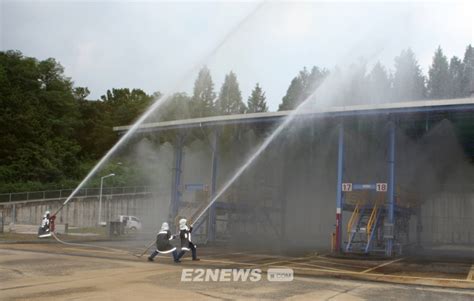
<point x="376" y="210"/>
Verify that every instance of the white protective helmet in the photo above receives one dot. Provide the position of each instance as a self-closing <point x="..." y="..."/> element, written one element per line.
<point x="47" y="213"/>
<point x="182" y="224"/>
<point x="165" y="227"/>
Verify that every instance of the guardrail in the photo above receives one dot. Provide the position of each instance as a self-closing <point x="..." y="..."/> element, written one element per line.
<point x="64" y="193"/>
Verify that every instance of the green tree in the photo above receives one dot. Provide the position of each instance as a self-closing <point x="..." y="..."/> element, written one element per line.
<point x="293" y="95"/>
<point x="81" y="93"/>
<point x="203" y="99"/>
<point x="301" y="87"/>
<point x="313" y="81"/>
<point x="178" y="107"/>
<point x="455" y="77"/>
<point x="257" y="101"/>
<point x="116" y="107"/>
<point x="125" y="105"/>
<point x="467" y="82"/>
<point x="408" y="80"/>
<point x="358" y="84"/>
<point x="438" y="76"/>
<point x="379" y="86"/>
<point x="38" y="120"/>
<point x="95" y="133"/>
<point x="230" y="98"/>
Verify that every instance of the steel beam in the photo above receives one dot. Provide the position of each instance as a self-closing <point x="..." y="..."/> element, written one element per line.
<point x="176" y="183"/>
<point x="211" y="233"/>
<point x="432" y="106"/>
<point x="391" y="188"/>
<point x="339" y="203"/>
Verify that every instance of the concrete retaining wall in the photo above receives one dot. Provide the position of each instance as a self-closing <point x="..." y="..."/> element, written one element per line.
<point x="81" y="212"/>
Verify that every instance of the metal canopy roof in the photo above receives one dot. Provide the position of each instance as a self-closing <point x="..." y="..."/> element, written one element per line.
<point x="421" y="106"/>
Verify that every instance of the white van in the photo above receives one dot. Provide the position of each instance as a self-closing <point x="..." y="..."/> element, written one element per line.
<point x="132" y="223"/>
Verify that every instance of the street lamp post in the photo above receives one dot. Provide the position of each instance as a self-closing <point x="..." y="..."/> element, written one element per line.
<point x="100" y="195"/>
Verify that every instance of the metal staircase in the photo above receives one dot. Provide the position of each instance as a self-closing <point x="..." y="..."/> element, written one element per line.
<point x="362" y="228"/>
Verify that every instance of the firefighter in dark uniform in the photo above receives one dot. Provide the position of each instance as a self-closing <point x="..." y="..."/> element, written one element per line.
<point x="186" y="242"/>
<point x="163" y="245"/>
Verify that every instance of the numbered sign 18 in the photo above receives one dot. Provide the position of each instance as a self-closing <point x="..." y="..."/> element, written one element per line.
<point x="382" y="187"/>
<point x="346" y="186"/>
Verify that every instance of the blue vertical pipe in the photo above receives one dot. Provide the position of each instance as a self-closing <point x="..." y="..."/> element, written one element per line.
<point x="211" y="233"/>
<point x="340" y="167"/>
<point x="176" y="193"/>
<point x="391" y="189"/>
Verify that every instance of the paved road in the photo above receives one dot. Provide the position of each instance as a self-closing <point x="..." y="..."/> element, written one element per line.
<point x="26" y="274"/>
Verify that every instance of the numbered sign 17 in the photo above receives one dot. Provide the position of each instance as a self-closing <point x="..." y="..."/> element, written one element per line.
<point x="346" y="186"/>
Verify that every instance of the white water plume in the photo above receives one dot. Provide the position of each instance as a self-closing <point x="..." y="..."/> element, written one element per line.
<point x="317" y="101"/>
<point x="160" y="101"/>
<point x="331" y="90"/>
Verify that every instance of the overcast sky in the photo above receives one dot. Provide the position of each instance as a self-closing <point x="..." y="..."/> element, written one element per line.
<point x="153" y="45"/>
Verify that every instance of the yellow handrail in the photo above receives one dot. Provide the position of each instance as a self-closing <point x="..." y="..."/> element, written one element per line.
<point x="353" y="218"/>
<point x="371" y="221"/>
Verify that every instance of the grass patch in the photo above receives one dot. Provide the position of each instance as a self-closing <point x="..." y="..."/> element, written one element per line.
<point x="12" y="236"/>
<point x="94" y="230"/>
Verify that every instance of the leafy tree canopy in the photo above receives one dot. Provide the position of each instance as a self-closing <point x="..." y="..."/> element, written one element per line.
<point x="257" y="101"/>
<point x="408" y="80"/>
<point x="438" y="76"/>
<point x="203" y="99"/>
<point x="38" y="120"/>
<point x="230" y="97"/>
